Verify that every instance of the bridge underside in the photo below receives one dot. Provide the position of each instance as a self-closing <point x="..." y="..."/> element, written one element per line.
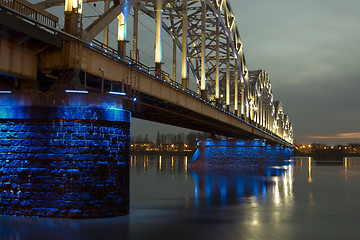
<point x="156" y="110"/>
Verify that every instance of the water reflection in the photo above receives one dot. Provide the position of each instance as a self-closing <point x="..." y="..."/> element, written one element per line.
<point x="236" y="186"/>
<point x="256" y="200"/>
<point x="258" y="183"/>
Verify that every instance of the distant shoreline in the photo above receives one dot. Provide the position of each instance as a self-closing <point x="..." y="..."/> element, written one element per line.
<point x="182" y="153"/>
<point x="326" y="155"/>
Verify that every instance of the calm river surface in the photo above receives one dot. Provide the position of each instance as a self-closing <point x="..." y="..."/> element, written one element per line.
<point x="298" y="199"/>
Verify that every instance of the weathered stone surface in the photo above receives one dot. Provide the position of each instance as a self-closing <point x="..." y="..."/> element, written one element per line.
<point x="64" y="167"/>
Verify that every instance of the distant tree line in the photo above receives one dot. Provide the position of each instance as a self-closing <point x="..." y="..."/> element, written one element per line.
<point x="190" y="139"/>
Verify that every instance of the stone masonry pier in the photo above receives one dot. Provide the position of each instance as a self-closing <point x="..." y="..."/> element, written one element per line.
<point x="63" y="161"/>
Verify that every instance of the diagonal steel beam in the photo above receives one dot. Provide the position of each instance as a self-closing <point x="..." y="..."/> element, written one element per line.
<point x="104" y="20"/>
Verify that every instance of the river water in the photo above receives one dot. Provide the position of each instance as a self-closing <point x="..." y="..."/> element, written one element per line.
<point x="296" y="199"/>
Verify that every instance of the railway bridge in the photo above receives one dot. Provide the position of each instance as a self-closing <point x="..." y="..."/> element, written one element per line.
<point x="67" y="88"/>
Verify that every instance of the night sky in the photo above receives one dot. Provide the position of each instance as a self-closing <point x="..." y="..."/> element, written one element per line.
<point x="311" y="51"/>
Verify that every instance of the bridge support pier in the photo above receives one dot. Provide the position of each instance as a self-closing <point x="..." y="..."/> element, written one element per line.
<point x="239" y="153"/>
<point x="63" y="161"/>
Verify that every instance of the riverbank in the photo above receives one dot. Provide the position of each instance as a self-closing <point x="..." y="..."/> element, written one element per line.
<point x="153" y="152"/>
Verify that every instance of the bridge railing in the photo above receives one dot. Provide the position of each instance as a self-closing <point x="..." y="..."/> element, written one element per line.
<point x="27" y="9"/>
<point x="164" y="77"/>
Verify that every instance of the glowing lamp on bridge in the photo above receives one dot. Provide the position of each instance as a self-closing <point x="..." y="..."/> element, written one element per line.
<point x="73" y="6"/>
<point x="122" y="28"/>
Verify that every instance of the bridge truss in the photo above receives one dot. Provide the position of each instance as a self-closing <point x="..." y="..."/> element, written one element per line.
<point x="212" y="53"/>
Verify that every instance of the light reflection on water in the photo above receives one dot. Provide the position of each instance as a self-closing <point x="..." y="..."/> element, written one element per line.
<point x="289" y="200"/>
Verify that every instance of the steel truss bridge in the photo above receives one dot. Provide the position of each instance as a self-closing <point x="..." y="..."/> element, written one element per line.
<point x="216" y="92"/>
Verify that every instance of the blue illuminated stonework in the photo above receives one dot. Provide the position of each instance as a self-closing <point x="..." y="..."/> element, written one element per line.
<point x="64" y="161"/>
<point x="238" y="154"/>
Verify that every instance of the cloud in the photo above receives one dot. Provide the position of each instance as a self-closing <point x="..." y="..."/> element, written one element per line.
<point x="340" y="135"/>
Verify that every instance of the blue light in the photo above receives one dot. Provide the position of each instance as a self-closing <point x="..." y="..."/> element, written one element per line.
<point x="240" y="143"/>
<point x="6" y="92"/>
<point x="139" y="68"/>
<point x="76" y="91"/>
<point x="118" y="58"/>
<point x="118" y="93"/>
<point x="149" y="72"/>
<point x="134" y="99"/>
<point x="105" y="51"/>
<point x="91" y="44"/>
<point x="129" y="63"/>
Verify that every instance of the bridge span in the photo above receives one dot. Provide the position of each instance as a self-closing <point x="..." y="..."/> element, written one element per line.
<point x="50" y="66"/>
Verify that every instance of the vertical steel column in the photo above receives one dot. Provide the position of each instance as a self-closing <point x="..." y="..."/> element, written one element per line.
<point x="158" y="38"/>
<point x="174" y="60"/>
<point x="106" y="29"/>
<point x="184" y="63"/>
<point x="260" y="112"/>
<point x="236" y="103"/>
<point x="203" y="70"/>
<point x="246" y="89"/>
<point x="227" y="73"/>
<point x="267" y="118"/>
<point x="242" y="98"/>
<point x="121" y="36"/>
<point x="135" y="33"/>
<point x="217" y="75"/>
<point x="264" y="115"/>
